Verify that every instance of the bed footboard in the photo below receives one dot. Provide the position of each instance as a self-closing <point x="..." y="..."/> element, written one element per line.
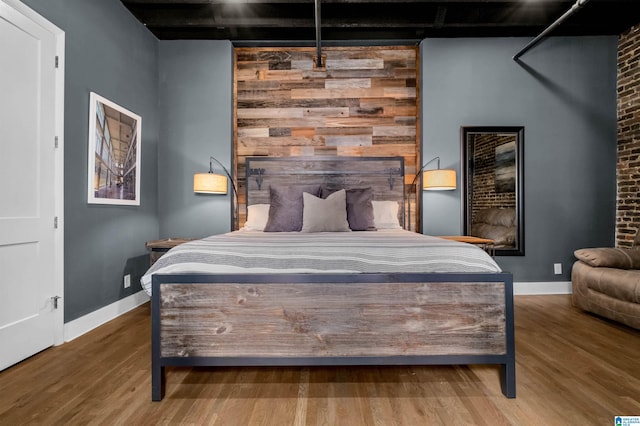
<point x="332" y="319"/>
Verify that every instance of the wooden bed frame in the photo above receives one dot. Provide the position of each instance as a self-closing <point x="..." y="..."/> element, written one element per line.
<point x="331" y="319"/>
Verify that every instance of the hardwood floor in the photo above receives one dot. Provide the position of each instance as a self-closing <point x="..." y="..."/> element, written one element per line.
<point x="572" y="368"/>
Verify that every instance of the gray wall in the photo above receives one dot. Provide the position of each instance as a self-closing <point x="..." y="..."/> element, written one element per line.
<point x="564" y="94"/>
<point x="109" y="52"/>
<point x="195" y="90"/>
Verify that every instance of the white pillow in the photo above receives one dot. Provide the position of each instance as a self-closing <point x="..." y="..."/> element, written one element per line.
<point x="257" y="216"/>
<point x="325" y="215"/>
<point x="385" y="214"/>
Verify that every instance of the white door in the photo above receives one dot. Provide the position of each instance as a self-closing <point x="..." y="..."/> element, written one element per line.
<point x="27" y="191"/>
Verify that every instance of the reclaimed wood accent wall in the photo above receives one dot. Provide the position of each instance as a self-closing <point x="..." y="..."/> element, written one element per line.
<point x="363" y="103"/>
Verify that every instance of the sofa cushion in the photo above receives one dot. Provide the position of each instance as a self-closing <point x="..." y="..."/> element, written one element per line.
<point x="497" y="216"/>
<point x="620" y="284"/>
<point x="501" y="235"/>
<point x="497" y="224"/>
<point x="610" y="257"/>
<point x="586" y="282"/>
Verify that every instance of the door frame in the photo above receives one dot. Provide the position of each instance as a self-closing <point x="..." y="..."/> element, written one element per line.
<point x="58" y="238"/>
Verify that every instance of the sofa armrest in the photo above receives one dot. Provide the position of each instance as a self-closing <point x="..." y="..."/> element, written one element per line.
<point x="609" y="257"/>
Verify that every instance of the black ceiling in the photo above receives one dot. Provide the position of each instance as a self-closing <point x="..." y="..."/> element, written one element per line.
<point x="377" y="20"/>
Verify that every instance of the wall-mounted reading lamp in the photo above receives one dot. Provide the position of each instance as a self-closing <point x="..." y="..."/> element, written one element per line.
<point x="432" y="180"/>
<point x="215" y="183"/>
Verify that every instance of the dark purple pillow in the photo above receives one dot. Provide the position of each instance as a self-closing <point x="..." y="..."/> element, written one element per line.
<point x="359" y="207"/>
<point x="285" y="212"/>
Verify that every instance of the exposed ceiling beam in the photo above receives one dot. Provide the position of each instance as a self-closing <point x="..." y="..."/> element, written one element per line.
<point x="376" y="19"/>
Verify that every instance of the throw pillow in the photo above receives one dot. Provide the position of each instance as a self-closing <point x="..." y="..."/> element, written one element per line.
<point x="325" y="215"/>
<point x="257" y="217"/>
<point x="359" y="208"/>
<point x="385" y="214"/>
<point x="285" y="212"/>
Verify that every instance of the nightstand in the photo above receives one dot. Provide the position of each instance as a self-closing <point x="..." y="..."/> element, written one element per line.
<point x="484" y="243"/>
<point x="160" y="247"/>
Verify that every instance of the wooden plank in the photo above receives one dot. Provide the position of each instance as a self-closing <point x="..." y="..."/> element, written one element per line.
<point x="394" y="130"/>
<point x="371" y="111"/>
<point x="348" y="83"/>
<point x="393" y="140"/>
<point x="388" y="82"/>
<point x="248" y="132"/>
<point x="246" y="95"/>
<point x="379" y="73"/>
<point x="281" y="141"/>
<point x="257" y="85"/>
<point x="277" y="100"/>
<point x="283" y="122"/>
<point x="326" y="112"/>
<point x="405" y="121"/>
<point x="359" y="121"/>
<point x="302" y="64"/>
<point x="351" y="140"/>
<point x="244" y="113"/>
<point x="368" y="130"/>
<point x="400" y="92"/>
<point x="374" y="92"/>
<point x="400" y="110"/>
<point x="354" y="64"/>
<point x="306" y="83"/>
<point x="303" y="131"/>
<point x="406" y="150"/>
<point x="337" y="319"/>
<point x="283" y="75"/>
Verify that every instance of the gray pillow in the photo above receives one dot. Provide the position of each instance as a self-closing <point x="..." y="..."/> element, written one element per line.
<point x="285" y="211"/>
<point x="359" y="208"/>
<point x="325" y="215"/>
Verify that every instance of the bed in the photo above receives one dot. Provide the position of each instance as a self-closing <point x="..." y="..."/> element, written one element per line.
<point x="321" y="295"/>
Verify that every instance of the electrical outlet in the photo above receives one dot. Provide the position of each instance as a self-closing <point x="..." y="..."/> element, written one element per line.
<point x="127" y="281"/>
<point x="557" y="268"/>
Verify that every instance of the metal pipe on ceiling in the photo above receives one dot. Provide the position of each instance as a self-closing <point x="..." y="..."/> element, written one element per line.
<point x="577" y="5"/>
<point x="318" y="43"/>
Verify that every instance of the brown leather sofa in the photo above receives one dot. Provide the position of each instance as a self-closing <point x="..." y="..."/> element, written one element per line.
<point x="606" y="282"/>
<point x="497" y="224"/>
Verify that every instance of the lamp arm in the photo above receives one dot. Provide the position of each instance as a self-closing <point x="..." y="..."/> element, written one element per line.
<point x="233" y="185"/>
<point x="412" y="188"/>
<point x="415" y="178"/>
<point x="234" y="202"/>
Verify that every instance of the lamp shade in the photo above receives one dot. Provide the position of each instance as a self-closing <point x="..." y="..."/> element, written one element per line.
<point x="209" y="183"/>
<point x="439" y="180"/>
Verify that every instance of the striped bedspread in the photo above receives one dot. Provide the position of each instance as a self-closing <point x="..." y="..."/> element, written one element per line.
<point x="384" y="251"/>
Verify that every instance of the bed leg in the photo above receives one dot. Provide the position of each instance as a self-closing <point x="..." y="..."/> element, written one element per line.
<point x="508" y="379"/>
<point x="157" y="383"/>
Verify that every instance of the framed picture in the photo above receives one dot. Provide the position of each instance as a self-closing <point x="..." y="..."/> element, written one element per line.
<point x="114" y="153"/>
<point x="505" y="167"/>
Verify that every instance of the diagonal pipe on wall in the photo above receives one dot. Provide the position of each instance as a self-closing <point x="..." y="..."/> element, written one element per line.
<point x="577" y="5"/>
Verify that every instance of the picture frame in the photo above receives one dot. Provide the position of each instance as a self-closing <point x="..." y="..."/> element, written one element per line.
<point x="115" y="135"/>
<point x="505" y="167"/>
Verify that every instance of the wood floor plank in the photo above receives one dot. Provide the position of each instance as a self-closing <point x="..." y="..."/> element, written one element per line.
<point x="572" y="368"/>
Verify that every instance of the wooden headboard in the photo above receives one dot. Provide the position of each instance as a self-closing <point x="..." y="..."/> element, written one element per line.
<point x="385" y="175"/>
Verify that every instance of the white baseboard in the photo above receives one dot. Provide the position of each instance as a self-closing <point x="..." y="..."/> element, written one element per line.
<point x="86" y="323"/>
<point x="536" y="288"/>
